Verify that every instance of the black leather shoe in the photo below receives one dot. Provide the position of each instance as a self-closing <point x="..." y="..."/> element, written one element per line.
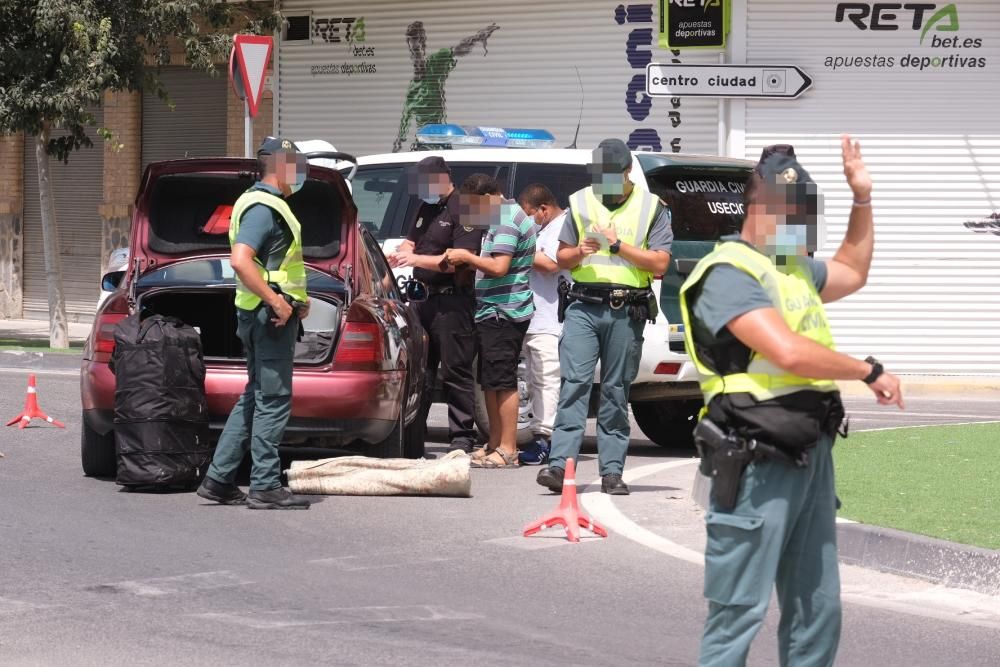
<point x="613" y="485"/>
<point x="466" y="446"/>
<point x="224" y="494"/>
<point x="276" y="499"/>
<point x="551" y="478"/>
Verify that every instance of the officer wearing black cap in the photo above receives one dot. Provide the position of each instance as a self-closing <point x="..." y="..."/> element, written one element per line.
<point x="757" y="332"/>
<point x="266" y="240"/>
<point x="447" y="314"/>
<point x="617" y="236"/>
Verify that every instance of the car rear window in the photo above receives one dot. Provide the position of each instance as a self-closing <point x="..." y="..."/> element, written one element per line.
<point x="705" y="204"/>
<point x="562" y="179"/>
<point x="181" y="205"/>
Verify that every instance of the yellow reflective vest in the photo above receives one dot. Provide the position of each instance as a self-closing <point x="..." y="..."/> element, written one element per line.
<point x="631" y="222"/>
<point x="291" y="273"/>
<point x="794" y="296"/>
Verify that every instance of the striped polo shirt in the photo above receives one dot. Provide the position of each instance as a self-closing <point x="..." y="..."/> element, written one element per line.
<point x="509" y="295"/>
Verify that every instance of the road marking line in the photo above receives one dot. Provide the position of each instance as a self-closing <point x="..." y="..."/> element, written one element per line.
<point x="185" y="583"/>
<point x="916" y="415"/>
<point x="270" y="620"/>
<point x="11" y="606"/>
<point x="894" y="428"/>
<point x="965" y="607"/>
<point x="342" y="563"/>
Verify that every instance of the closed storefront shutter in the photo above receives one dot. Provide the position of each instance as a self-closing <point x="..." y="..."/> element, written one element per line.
<point x="196" y="127"/>
<point x="78" y="191"/>
<point x="922" y="97"/>
<point x="347" y="73"/>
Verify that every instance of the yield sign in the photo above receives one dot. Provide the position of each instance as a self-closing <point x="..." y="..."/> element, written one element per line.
<point x="248" y="66"/>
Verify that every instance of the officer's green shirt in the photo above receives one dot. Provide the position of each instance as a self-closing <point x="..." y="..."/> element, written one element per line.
<point x="727" y="292"/>
<point x="265" y="231"/>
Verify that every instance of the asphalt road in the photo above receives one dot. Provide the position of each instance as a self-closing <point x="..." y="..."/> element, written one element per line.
<point x="91" y="575"/>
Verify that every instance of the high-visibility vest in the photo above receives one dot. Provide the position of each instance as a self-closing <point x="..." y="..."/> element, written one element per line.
<point x="291" y="273"/>
<point x="794" y="296"/>
<point x="631" y="222"/>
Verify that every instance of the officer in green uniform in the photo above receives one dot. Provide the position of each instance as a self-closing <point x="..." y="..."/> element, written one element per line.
<point x="271" y="300"/>
<point x="757" y="331"/>
<point x="617" y="237"/>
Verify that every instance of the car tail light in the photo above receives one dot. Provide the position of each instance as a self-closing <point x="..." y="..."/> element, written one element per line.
<point x="665" y="368"/>
<point x="360" y="345"/>
<point x="104" y="335"/>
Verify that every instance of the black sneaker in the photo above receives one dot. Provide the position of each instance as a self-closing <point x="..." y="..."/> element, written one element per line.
<point x="613" y="485"/>
<point x="466" y="446"/>
<point x="276" y="499"/>
<point x="224" y="494"/>
<point x="551" y="478"/>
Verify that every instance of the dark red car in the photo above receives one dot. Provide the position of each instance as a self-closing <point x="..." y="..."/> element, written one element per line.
<point x="359" y="366"/>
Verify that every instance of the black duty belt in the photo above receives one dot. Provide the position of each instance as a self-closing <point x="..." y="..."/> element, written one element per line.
<point x="615" y="297"/>
<point x="435" y="290"/>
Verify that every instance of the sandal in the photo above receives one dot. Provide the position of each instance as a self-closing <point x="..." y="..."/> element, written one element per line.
<point x="481" y="453"/>
<point x="490" y="460"/>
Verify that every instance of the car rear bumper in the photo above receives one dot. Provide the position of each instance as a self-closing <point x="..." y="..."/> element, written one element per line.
<point x="341" y="407"/>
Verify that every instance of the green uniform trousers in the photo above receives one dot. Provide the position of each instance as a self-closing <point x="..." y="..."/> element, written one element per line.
<point x="592" y="333"/>
<point x="260" y="415"/>
<point x="782" y="534"/>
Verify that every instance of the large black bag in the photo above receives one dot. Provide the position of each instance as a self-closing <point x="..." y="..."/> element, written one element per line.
<point x="161" y="415"/>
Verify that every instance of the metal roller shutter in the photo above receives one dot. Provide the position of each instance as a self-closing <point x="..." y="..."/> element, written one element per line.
<point x="545" y="63"/>
<point x="78" y="190"/>
<point x="931" y="140"/>
<point x="197" y="125"/>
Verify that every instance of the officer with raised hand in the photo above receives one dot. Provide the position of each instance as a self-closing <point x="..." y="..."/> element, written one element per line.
<point x="447" y="314"/>
<point x="617" y="236"/>
<point x="266" y="240"/>
<point x="756" y="329"/>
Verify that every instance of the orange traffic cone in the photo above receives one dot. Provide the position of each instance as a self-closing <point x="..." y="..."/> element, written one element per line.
<point x="31" y="409"/>
<point x="568" y="513"/>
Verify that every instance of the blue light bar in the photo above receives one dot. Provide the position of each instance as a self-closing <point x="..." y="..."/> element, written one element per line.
<point x="484" y="136"/>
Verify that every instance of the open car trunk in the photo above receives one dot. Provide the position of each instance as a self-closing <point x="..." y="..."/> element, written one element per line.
<point x="212" y="311"/>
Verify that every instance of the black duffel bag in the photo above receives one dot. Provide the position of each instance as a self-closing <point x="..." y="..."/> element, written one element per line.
<point x="161" y="415"/>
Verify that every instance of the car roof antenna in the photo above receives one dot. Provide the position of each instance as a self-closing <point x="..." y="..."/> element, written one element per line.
<point x="580" y="119"/>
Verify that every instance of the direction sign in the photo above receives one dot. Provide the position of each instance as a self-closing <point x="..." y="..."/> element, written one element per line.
<point x="769" y="81"/>
<point x="248" y="66"/>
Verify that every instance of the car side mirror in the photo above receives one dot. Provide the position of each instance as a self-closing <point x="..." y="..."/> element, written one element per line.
<point x="685" y="265"/>
<point x="111" y="280"/>
<point x="412" y="290"/>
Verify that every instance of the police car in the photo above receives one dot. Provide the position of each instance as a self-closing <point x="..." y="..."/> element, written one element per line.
<point x="705" y="195"/>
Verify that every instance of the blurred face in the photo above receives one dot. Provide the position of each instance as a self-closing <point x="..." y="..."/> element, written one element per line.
<point x="607" y="178"/>
<point x="786" y="219"/>
<point x="290" y="171"/>
<point x="430" y="187"/>
<point x="480" y="211"/>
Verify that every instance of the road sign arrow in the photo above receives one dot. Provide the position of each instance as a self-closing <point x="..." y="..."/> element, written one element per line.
<point x="747" y="81"/>
<point x="251" y="55"/>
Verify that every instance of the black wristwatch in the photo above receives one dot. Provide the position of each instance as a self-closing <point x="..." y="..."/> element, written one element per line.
<point x="877" y="370"/>
<point x="615" y="247"/>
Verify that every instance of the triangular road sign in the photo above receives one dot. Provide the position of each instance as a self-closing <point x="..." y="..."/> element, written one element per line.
<point x="253" y="53"/>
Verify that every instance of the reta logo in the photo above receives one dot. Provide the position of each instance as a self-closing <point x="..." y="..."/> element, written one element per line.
<point x="890" y="15"/>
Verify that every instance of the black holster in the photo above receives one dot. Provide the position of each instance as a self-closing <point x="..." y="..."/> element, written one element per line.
<point x="297" y="307"/>
<point x="725" y="456"/>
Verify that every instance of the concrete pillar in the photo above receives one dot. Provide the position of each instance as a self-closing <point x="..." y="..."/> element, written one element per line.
<point x="122" y="169"/>
<point x="263" y="123"/>
<point x="11" y="225"/>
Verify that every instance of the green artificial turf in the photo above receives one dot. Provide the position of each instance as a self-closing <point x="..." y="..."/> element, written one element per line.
<point x="941" y="481"/>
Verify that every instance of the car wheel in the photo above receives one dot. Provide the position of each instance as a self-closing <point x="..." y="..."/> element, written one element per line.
<point x="97" y="452"/>
<point x="404" y="441"/>
<point x="668" y="423"/>
<point x="414" y="438"/>
<point x="524" y="435"/>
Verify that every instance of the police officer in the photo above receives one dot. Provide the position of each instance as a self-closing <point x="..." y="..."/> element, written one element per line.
<point x="266" y="241"/>
<point x="617" y="236"/>
<point x="447" y="314"/>
<point x="756" y="329"/>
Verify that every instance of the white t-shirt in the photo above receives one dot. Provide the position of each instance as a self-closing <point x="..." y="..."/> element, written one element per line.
<point x="546" y="285"/>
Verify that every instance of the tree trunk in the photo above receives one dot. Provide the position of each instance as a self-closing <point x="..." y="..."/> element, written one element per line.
<point x="58" y="328"/>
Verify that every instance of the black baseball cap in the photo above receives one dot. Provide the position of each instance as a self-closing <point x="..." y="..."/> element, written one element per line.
<point x="778" y="166"/>
<point x="433" y="164"/>
<point x="614" y="152"/>
<point x="272" y="145"/>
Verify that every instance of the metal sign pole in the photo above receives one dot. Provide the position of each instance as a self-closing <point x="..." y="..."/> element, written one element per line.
<point x="247" y="129"/>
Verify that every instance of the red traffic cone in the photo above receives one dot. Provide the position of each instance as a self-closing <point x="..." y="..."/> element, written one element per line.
<point x="31" y="409"/>
<point x="568" y="513"/>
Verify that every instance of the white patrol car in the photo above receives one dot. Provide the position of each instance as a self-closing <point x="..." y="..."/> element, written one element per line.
<point x="705" y="197"/>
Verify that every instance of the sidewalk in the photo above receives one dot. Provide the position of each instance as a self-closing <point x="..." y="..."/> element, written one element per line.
<point x="35" y="332"/>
